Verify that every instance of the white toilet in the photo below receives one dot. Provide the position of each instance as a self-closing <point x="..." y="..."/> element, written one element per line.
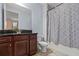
<point x="43" y="46"/>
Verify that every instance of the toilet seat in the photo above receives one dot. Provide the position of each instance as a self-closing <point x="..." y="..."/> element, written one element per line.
<point x="43" y="43"/>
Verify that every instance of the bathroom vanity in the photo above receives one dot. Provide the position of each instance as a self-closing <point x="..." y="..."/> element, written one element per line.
<point x="23" y="44"/>
<point x="12" y="42"/>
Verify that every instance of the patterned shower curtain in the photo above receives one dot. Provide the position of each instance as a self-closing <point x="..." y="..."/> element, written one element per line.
<point x="64" y="25"/>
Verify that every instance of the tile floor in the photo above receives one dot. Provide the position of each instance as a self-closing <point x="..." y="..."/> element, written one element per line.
<point x="59" y="50"/>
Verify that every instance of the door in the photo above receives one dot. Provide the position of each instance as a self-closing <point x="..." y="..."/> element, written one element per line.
<point x="20" y="48"/>
<point x="5" y="49"/>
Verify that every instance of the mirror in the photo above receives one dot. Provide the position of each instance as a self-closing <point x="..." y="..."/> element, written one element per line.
<point x="17" y="17"/>
<point x="11" y="20"/>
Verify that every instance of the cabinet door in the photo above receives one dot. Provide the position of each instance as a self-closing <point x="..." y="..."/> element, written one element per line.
<point x="33" y="44"/>
<point x="20" y="48"/>
<point x="5" y="49"/>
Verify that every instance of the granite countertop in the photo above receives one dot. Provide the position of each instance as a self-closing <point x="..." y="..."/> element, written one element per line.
<point x="16" y="34"/>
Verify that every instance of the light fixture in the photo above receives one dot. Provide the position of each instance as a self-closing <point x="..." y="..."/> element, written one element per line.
<point x="20" y="4"/>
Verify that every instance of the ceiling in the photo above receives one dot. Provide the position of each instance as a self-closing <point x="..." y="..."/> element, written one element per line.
<point x="16" y="8"/>
<point x="50" y="5"/>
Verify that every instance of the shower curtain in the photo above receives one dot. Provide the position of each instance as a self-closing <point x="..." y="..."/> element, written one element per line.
<point x="64" y="25"/>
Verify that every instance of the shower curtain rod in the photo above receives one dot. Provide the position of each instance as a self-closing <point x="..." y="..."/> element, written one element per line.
<point x="55" y="7"/>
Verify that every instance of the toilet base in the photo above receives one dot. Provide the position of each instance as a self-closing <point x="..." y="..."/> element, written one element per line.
<point x="44" y="49"/>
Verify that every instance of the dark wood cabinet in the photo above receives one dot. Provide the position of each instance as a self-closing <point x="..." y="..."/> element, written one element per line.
<point x="18" y="44"/>
<point x="33" y="44"/>
<point x="20" y="48"/>
<point x="5" y="49"/>
<point x="5" y="46"/>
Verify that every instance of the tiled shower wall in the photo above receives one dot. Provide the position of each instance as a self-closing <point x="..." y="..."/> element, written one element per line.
<point x="64" y="25"/>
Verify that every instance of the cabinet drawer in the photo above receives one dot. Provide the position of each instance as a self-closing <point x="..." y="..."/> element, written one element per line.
<point x="33" y="36"/>
<point x="5" y="39"/>
<point x="24" y="37"/>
